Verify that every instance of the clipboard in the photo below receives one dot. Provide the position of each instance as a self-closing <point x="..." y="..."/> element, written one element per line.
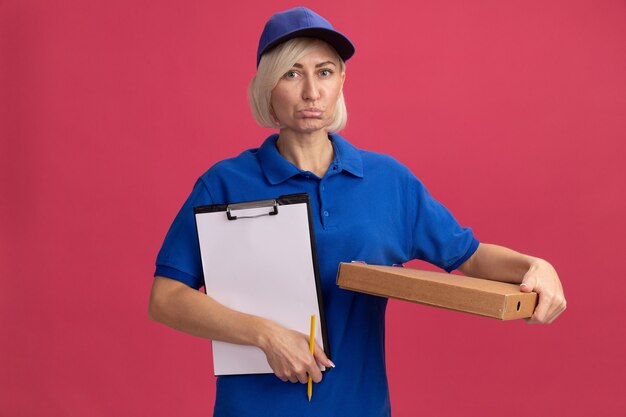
<point x="259" y="257"/>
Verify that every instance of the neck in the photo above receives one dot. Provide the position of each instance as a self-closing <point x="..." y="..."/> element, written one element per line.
<point x="310" y="152"/>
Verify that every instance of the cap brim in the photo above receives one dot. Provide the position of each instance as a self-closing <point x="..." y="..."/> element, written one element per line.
<point x="342" y="44"/>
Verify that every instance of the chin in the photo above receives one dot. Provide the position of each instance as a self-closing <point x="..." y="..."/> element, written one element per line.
<point x="312" y="127"/>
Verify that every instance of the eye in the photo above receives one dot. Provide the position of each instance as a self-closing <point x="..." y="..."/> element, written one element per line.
<point x="326" y="73"/>
<point x="291" y="74"/>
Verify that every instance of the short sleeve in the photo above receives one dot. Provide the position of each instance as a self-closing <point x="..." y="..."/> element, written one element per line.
<point x="437" y="236"/>
<point x="179" y="257"/>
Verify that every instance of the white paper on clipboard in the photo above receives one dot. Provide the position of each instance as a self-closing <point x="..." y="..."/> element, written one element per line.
<point x="264" y="265"/>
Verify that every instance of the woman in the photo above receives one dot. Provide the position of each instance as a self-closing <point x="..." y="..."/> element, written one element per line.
<point x="298" y="90"/>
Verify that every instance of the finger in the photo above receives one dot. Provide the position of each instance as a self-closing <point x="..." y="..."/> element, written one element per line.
<point x="314" y="371"/>
<point x="279" y="375"/>
<point x="554" y="317"/>
<point x="545" y="307"/>
<point x="554" y="311"/>
<point x="563" y="307"/>
<point x="539" y="316"/>
<point x="288" y="376"/>
<point x="559" y="307"/>
<point x="321" y="358"/>
<point x="528" y="284"/>
<point x="303" y="377"/>
<point x="554" y="302"/>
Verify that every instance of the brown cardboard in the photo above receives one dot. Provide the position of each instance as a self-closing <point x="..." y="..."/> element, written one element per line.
<point x="484" y="297"/>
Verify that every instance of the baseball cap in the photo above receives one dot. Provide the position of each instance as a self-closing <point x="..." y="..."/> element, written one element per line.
<point x="302" y="22"/>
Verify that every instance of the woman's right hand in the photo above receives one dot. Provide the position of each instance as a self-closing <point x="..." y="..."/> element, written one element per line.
<point x="181" y="307"/>
<point x="288" y="354"/>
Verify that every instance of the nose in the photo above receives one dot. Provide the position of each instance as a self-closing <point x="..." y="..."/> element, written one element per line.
<point x="310" y="89"/>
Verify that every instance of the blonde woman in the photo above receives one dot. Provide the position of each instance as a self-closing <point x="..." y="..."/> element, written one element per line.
<point x="366" y="206"/>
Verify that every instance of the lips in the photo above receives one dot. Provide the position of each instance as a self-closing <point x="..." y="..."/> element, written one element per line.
<point x="311" y="113"/>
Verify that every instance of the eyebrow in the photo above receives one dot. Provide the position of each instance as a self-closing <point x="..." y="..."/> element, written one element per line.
<point x="321" y="64"/>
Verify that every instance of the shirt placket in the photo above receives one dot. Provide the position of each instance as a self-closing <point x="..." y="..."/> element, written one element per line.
<point x="326" y="208"/>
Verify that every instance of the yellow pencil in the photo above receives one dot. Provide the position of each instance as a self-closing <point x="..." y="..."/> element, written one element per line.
<point x="309" y="389"/>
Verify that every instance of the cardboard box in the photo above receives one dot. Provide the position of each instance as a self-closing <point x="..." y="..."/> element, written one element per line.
<point x="470" y="295"/>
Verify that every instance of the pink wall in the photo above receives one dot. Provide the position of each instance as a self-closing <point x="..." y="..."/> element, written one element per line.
<point x="513" y="114"/>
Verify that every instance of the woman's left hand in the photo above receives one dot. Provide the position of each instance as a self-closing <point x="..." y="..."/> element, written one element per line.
<point x="506" y="265"/>
<point x="543" y="279"/>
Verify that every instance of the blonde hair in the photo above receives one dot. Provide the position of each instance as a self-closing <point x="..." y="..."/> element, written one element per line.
<point x="273" y="65"/>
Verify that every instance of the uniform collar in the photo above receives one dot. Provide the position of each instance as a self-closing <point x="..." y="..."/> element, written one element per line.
<point x="277" y="169"/>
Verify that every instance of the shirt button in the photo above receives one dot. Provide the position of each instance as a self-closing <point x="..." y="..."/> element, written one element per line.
<point x="326" y="213"/>
<point x="323" y="187"/>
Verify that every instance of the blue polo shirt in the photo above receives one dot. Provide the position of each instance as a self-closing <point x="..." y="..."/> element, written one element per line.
<point x="367" y="207"/>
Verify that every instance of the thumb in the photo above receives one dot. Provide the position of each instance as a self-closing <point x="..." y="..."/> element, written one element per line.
<point x="528" y="283"/>
<point x="321" y="357"/>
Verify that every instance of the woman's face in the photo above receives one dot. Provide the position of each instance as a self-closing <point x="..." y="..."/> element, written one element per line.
<point x="304" y="98"/>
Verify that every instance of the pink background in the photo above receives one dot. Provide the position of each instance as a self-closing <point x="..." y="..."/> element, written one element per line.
<point x="512" y="112"/>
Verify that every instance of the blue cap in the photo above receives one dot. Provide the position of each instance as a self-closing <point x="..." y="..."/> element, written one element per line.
<point x="301" y="22"/>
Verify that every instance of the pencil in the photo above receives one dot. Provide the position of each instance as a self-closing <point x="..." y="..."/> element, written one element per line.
<point x="309" y="389"/>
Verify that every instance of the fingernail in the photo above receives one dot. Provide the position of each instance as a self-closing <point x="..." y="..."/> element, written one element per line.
<point x="524" y="285"/>
<point x="331" y="363"/>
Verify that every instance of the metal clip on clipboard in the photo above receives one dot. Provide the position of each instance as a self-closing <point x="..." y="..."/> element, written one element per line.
<point x="252" y="205"/>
